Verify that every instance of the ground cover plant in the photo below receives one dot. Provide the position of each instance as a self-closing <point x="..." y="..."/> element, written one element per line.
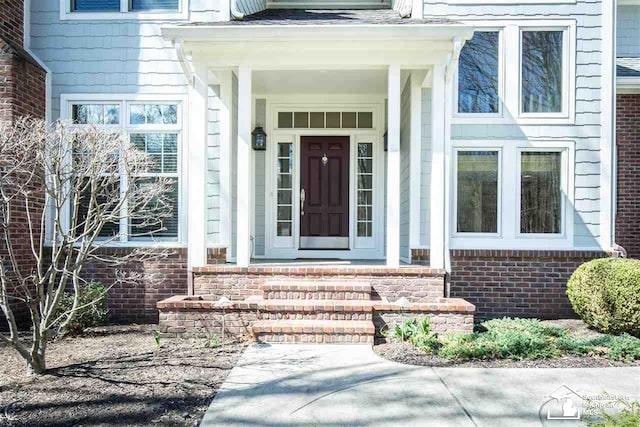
<point x="516" y="339"/>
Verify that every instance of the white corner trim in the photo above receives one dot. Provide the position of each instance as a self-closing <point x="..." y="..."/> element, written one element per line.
<point x="607" y="140"/>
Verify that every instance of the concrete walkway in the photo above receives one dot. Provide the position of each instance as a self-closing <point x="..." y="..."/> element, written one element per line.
<point x="324" y="385"/>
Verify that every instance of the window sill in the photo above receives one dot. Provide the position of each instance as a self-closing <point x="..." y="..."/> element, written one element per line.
<point x="139" y="16"/>
<point x="528" y="243"/>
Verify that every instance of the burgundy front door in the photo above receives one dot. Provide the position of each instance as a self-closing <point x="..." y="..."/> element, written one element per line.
<point x="324" y="188"/>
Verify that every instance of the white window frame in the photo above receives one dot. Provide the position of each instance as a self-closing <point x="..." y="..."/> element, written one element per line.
<point x="125" y="100"/>
<point x="511" y="54"/>
<point x="568" y="72"/>
<point x="66" y="13"/>
<point x="509" y="236"/>
<point x="454" y="224"/>
<point x="475" y="118"/>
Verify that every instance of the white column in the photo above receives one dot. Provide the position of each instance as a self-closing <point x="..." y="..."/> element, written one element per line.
<point x="243" y="245"/>
<point x="438" y="168"/>
<point x="393" y="167"/>
<point x="197" y="169"/>
<point x="415" y="161"/>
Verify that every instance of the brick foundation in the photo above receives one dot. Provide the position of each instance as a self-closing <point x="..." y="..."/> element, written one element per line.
<point x="628" y="152"/>
<point x="137" y="302"/>
<point x="516" y="283"/>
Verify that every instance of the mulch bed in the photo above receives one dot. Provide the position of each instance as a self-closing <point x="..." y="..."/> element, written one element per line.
<point x="403" y="352"/>
<point x="115" y="376"/>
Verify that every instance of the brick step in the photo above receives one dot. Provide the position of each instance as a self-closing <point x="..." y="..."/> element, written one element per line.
<point x="316" y="290"/>
<point x="315" y="309"/>
<point x="314" y="331"/>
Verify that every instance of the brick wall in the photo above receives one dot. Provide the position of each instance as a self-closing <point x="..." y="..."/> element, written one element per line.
<point x="516" y="283"/>
<point x="22" y="93"/>
<point x="137" y="302"/>
<point x="12" y="23"/>
<point x="628" y="151"/>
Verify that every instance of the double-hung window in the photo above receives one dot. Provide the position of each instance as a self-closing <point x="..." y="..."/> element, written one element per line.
<point x="155" y="128"/>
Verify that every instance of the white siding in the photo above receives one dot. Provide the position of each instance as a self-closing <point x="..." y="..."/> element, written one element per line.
<point x="251" y="6"/>
<point x="259" y="185"/>
<point x="213" y="169"/>
<point x="405" y="171"/>
<point x="425" y="172"/>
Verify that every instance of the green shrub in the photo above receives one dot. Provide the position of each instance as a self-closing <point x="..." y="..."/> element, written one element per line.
<point x="605" y="293"/>
<point x="94" y="311"/>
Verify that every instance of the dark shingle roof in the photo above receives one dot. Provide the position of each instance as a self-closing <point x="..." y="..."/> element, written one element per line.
<point x="328" y="17"/>
<point x="628" y="67"/>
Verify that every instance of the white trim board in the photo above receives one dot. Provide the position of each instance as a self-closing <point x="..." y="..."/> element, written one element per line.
<point x="288" y="247"/>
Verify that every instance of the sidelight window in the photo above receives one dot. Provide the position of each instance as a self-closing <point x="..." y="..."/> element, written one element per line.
<point x="365" y="190"/>
<point x="284" y="175"/>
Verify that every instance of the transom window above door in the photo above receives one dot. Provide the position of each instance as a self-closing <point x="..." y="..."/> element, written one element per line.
<point x="325" y="120"/>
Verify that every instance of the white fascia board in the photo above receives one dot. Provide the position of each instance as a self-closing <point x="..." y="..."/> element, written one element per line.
<point x="262" y="33"/>
<point x="628" y="85"/>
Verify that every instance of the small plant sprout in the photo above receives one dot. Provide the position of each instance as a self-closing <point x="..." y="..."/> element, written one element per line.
<point x="212" y="342"/>
<point x="156" y="339"/>
<point x="223" y="303"/>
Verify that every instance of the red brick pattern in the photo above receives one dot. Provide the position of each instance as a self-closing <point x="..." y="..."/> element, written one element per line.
<point x="516" y="283"/>
<point x="137" y="302"/>
<point x="628" y="152"/>
<point x="415" y="283"/>
<point x="22" y="93"/>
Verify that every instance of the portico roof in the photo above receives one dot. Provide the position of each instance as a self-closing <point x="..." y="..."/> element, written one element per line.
<point x="321" y="38"/>
<point x="329" y="17"/>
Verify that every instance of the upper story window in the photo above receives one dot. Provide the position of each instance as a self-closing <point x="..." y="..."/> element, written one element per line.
<point x="123" y="9"/>
<point x="479" y="74"/>
<point x="542" y="71"/>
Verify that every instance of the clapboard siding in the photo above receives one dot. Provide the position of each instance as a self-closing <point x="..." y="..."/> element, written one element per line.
<point x="259" y="185"/>
<point x="405" y="171"/>
<point x="425" y="170"/>
<point x="628" y="31"/>
<point x="586" y="131"/>
<point x="213" y="167"/>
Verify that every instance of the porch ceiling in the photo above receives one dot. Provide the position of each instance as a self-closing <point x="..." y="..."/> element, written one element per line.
<point x="301" y="39"/>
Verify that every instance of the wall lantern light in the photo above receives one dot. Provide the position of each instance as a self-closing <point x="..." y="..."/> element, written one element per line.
<point x="259" y="139"/>
<point x="386" y="141"/>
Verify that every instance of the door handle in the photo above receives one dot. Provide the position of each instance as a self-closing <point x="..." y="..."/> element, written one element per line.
<point x="302" y="197"/>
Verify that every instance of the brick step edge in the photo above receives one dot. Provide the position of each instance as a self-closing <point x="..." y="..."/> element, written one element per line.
<point x="317" y="286"/>
<point x="317" y="305"/>
<point x="315" y="338"/>
<point x="322" y="327"/>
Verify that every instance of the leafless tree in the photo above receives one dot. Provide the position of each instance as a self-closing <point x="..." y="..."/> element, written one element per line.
<point x="89" y="184"/>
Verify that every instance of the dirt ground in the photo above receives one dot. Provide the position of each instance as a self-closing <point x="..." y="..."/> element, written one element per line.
<point x="403" y="352"/>
<point x="115" y="376"/>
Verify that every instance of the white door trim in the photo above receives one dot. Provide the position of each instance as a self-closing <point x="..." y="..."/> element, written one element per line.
<point x="276" y="247"/>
